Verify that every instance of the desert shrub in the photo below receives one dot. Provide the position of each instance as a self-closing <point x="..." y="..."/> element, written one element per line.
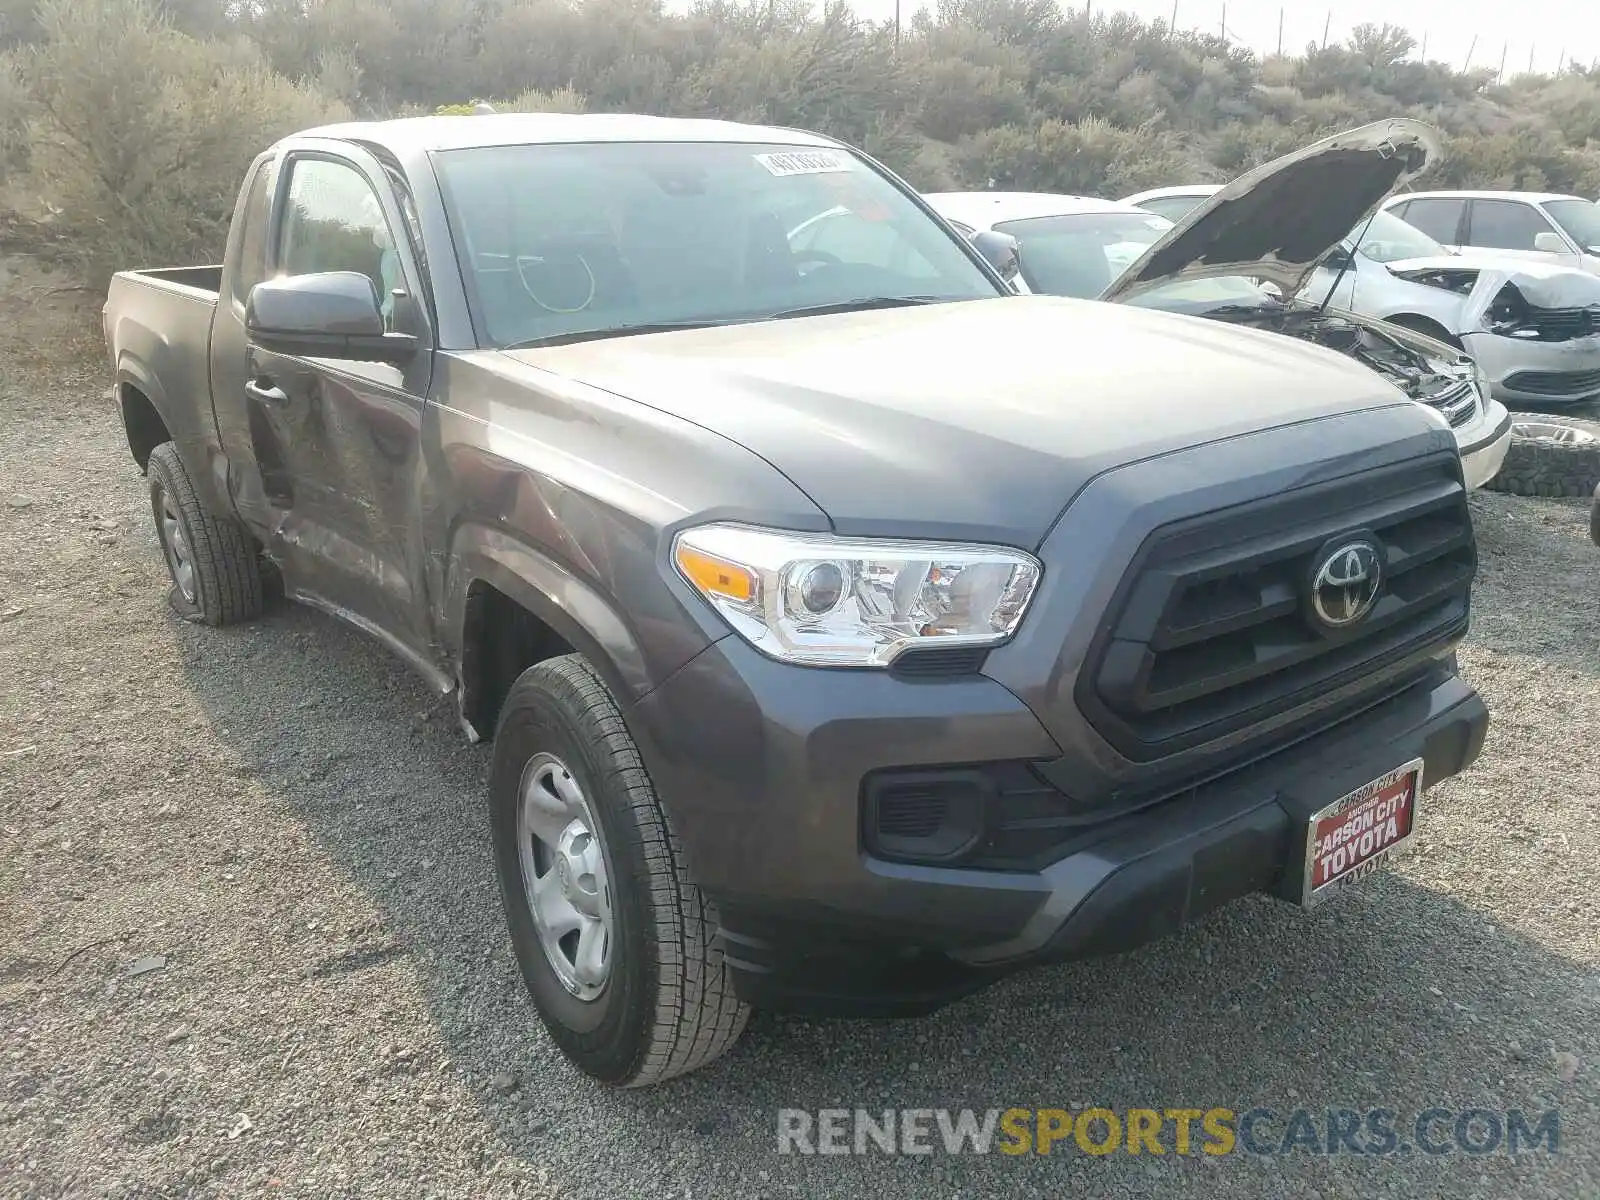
<point x="128" y="121"/>
<point x="1090" y="158"/>
<point x="16" y="106"/>
<point x="142" y="133"/>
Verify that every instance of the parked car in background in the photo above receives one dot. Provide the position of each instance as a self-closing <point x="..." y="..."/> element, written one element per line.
<point x="1076" y="246"/>
<point x="1176" y="202"/>
<point x="837" y="658"/>
<point x="1538" y="226"/>
<point x="1533" y="328"/>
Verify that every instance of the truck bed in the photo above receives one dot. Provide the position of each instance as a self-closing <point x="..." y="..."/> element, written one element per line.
<point x="206" y="279"/>
<point x="158" y="329"/>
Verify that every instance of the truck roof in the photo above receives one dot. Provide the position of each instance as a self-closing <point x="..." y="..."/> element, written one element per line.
<point x="426" y="134"/>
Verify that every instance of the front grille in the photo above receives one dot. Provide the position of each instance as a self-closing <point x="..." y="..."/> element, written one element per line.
<point x="1211" y="630"/>
<point x="1555" y="383"/>
<point x="1563" y="324"/>
<point x="1458" y="404"/>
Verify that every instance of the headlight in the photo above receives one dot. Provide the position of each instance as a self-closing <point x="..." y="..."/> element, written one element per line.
<point x="1482" y="380"/>
<point x="854" y="602"/>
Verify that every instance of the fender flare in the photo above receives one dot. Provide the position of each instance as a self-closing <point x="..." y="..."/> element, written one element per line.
<point x="131" y="371"/>
<point x="574" y="610"/>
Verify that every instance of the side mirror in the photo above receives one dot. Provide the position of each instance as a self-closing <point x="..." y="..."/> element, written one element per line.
<point x="1550" y="242"/>
<point x="333" y="314"/>
<point x="1000" y="251"/>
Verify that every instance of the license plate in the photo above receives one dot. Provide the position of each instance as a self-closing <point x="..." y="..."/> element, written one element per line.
<point x="1359" y="832"/>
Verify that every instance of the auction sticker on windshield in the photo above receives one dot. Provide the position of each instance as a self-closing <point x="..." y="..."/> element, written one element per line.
<point x="1356" y="834"/>
<point x="804" y="162"/>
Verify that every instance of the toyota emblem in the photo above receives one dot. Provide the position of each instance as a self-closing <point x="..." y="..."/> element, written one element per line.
<point x="1345" y="582"/>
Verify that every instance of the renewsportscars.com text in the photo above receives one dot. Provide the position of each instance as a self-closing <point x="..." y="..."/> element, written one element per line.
<point x="1259" y="1132"/>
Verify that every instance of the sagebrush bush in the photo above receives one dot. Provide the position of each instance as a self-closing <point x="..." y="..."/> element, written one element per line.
<point x="141" y="133"/>
<point x="16" y="106"/>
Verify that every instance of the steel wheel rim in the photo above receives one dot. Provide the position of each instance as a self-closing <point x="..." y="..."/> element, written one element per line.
<point x="179" y="558"/>
<point x="565" y="877"/>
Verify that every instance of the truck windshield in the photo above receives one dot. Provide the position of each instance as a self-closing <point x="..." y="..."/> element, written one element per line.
<point x="562" y="241"/>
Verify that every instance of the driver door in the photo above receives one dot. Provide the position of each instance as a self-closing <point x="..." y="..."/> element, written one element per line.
<point x="336" y="442"/>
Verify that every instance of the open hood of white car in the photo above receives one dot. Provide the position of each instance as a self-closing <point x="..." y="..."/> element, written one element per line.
<point x="1277" y="222"/>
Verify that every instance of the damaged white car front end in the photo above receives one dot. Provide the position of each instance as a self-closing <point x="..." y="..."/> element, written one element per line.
<point x="1533" y="329"/>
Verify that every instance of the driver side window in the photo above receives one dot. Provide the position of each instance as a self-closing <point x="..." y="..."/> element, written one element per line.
<point x="333" y="221"/>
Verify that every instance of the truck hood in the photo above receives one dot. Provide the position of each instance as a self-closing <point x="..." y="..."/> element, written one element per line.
<point x="978" y="419"/>
<point x="1280" y="220"/>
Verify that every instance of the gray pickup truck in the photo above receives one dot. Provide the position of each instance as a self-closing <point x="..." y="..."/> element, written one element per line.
<point x="850" y="630"/>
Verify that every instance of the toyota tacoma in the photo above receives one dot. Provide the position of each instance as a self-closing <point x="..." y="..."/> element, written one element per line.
<point x="850" y="630"/>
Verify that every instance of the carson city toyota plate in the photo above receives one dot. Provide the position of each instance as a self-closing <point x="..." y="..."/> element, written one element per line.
<point x="1357" y="833"/>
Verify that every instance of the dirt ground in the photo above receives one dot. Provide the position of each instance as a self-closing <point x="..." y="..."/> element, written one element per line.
<point x="250" y="943"/>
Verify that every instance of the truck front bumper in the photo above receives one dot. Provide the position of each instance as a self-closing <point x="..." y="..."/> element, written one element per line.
<point x="762" y="766"/>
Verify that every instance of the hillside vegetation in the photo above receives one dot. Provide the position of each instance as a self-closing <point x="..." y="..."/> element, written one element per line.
<point x="125" y="124"/>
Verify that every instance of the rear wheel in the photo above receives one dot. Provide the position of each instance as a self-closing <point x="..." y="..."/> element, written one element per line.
<point x="614" y="940"/>
<point x="215" y="570"/>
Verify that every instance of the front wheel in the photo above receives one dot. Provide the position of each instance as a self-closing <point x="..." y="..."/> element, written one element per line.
<point x="614" y="940"/>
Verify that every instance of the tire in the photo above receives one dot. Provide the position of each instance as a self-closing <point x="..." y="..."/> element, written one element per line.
<point x="1550" y="456"/>
<point x="222" y="583"/>
<point x="662" y="1003"/>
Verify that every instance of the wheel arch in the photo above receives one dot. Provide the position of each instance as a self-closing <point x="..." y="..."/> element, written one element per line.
<point x="142" y="419"/>
<point x="509" y="606"/>
<point x="1427" y="326"/>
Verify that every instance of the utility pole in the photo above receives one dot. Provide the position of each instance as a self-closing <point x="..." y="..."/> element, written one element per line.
<point x="1280" y="33"/>
<point x="1501" y="73"/>
<point x="1423" y="57"/>
<point x="1562" y="61"/>
<point x="1172" y="25"/>
<point x="1530" y="58"/>
<point x="1325" y="26"/>
<point x="1224" y="20"/>
<point x="897" y="26"/>
<point x="1467" y="66"/>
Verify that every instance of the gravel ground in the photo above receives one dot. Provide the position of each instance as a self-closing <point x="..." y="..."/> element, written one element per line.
<point x="250" y="943"/>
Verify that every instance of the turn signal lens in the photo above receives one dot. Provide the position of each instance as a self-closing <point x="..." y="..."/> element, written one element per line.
<point x="715" y="576"/>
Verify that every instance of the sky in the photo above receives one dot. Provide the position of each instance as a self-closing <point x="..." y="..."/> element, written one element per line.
<point x="1542" y="28"/>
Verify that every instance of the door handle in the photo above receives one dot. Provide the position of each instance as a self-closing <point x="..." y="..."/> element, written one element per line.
<point x="265" y="393"/>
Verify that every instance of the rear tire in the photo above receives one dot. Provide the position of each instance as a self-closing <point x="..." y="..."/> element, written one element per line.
<point x="1550" y="456"/>
<point x="212" y="560"/>
<point x="655" y="999"/>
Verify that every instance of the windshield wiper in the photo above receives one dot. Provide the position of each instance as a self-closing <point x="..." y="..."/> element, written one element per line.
<point x="859" y="304"/>
<point x="590" y="335"/>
